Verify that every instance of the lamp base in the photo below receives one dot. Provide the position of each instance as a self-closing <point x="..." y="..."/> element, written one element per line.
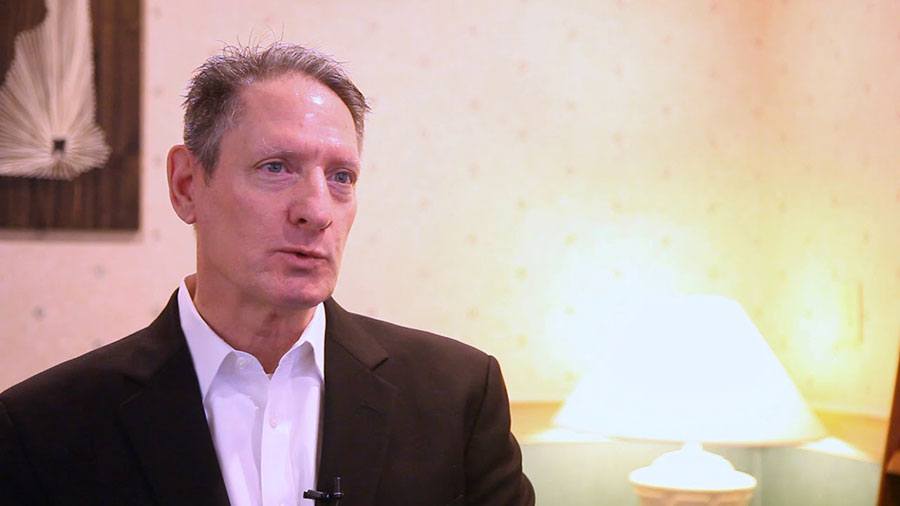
<point x="692" y="476"/>
<point x="660" y="497"/>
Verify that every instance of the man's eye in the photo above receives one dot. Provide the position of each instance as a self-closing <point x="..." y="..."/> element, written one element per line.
<point x="273" y="167"/>
<point x="344" y="177"/>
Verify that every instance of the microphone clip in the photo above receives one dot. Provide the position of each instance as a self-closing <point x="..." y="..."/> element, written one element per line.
<point x="327" y="497"/>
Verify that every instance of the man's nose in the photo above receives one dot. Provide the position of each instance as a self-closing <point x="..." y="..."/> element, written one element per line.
<point x="311" y="201"/>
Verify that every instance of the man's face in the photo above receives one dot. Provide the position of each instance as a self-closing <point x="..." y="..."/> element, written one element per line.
<point x="273" y="219"/>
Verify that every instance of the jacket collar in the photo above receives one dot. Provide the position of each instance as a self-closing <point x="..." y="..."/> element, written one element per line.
<point x="165" y="421"/>
<point x="357" y="407"/>
<point x="344" y="329"/>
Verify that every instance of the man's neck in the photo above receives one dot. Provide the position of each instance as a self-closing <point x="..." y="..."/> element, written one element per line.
<point x="266" y="333"/>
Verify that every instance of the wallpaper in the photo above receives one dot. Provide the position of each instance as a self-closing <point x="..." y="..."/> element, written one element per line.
<point x="534" y="168"/>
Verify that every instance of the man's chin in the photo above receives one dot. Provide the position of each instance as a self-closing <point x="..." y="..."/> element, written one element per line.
<point x="301" y="298"/>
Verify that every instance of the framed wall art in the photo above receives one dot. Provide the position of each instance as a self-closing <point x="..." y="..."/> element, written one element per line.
<point x="70" y="114"/>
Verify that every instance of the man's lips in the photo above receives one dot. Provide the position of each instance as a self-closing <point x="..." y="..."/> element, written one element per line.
<point x="305" y="253"/>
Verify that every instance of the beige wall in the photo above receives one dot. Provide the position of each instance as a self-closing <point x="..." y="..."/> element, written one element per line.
<point x="533" y="167"/>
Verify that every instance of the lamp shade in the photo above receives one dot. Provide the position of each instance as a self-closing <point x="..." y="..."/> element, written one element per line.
<point x="691" y="368"/>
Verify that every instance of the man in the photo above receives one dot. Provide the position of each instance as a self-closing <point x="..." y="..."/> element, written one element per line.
<point x="253" y="385"/>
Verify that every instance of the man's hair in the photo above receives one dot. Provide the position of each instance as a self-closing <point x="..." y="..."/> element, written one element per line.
<point x="212" y="104"/>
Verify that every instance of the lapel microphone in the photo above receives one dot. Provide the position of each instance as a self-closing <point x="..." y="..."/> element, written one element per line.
<point x="326" y="497"/>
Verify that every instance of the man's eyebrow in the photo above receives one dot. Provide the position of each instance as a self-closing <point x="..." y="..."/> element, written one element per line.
<point x="270" y="151"/>
<point x="352" y="163"/>
<point x="262" y="152"/>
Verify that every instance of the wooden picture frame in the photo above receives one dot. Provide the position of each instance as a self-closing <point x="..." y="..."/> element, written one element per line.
<point x="104" y="198"/>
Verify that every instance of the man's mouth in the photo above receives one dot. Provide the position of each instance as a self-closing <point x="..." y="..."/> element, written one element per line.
<point x="306" y="253"/>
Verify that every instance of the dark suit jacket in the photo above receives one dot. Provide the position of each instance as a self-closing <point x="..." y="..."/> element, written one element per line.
<point x="409" y="418"/>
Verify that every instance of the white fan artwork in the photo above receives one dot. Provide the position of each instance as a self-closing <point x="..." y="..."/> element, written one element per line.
<point x="47" y="103"/>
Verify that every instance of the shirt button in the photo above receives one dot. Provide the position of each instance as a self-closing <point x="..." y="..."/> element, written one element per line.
<point x="242" y="362"/>
<point x="273" y="422"/>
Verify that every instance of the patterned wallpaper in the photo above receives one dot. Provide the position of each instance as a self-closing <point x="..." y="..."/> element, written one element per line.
<point x="533" y="168"/>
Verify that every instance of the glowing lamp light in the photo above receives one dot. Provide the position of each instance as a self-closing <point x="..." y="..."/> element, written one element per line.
<point x="691" y="369"/>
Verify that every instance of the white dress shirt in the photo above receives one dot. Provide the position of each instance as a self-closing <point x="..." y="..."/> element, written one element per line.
<point x="265" y="428"/>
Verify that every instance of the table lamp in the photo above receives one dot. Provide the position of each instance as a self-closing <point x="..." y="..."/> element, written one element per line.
<point x="692" y="369"/>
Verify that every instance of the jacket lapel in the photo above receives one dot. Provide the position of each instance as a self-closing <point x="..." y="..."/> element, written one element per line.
<point x="357" y="409"/>
<point x="165" y="420"/>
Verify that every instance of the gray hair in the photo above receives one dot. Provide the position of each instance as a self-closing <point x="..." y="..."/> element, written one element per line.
<point x="213" y="98"/>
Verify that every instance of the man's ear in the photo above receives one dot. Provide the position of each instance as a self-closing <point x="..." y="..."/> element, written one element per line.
<point x="184" y="173"/>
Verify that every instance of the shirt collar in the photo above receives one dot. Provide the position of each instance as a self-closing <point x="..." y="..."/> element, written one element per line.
<point x="208" y="350"/>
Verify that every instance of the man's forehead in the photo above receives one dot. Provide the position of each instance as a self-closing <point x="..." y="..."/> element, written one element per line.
<point x="267" y="107"/>
<point x="287" y="89"/>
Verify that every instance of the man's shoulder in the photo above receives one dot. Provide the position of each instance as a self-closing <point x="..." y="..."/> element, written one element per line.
<point x="399" y="340"/>
<point x="102" y="371"/>
<point x="78" y="374"/>
<point x="422" y="359"/>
